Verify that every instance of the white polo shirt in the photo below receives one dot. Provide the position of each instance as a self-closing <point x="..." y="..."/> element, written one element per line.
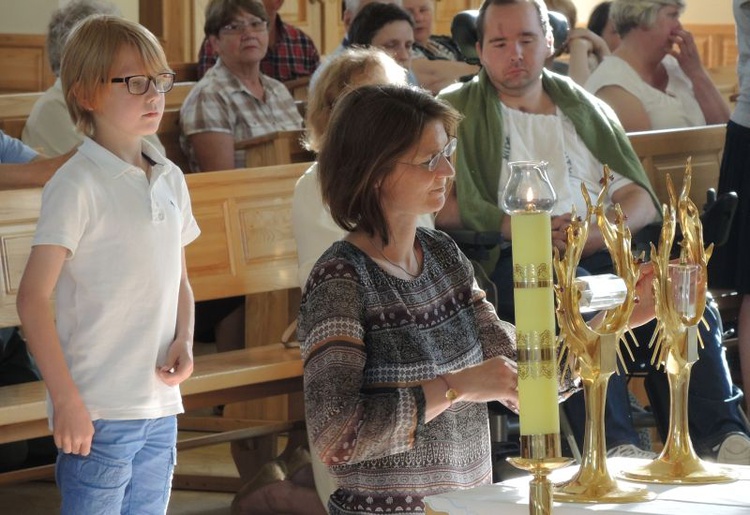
<point x="116" y="297"/>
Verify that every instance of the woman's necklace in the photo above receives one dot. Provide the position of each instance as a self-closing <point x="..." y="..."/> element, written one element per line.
<point x="414" y="251"/>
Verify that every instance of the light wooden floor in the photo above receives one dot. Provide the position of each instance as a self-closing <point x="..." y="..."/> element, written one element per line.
<point x="42" y="498"/>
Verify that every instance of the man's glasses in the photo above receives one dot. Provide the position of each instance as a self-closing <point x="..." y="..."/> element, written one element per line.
<point x="239" y="27"/>
<point x="138" y="84"/>
<point x="447" y="151"/>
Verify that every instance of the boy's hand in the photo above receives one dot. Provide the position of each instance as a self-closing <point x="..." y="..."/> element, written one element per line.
<point x="72" y="427"/>
<point x="179" y="363"/>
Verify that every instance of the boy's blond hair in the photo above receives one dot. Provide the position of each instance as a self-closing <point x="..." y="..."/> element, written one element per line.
<point x="87" y="60"/>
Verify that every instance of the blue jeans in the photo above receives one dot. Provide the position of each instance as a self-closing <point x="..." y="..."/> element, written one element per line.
<point x="129" y="470"/>
<point x="714" y="403"/>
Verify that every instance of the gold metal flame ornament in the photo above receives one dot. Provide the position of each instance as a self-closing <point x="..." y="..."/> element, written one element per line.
<point x="592" y="354"/>
<point x="675" y="341"/>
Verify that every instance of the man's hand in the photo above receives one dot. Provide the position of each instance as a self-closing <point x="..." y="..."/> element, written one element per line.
<point x="559" y="226"/>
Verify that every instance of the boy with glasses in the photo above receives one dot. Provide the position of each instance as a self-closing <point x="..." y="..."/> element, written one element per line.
<point x="110" y="242"/>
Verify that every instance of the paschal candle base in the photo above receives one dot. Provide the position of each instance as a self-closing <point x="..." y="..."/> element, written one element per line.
<point x="540" y="455"/>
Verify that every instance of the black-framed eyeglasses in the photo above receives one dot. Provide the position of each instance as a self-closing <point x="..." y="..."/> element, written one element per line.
<point x="447" y="151"/>
<point x="139" y="84"/>
<point x="239" y="27"/>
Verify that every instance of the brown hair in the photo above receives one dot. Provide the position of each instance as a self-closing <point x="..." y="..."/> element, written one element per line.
<point x="87" y="61"/>
<point x="223" y="12"/>
<point x="371" y="128"/>
<point x="337" y="77"/>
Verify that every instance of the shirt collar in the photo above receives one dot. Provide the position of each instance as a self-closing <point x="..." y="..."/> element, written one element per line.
<point x="112" y="165"/>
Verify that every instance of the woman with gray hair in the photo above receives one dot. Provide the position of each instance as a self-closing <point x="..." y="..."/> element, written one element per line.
<point x="655" y="79"/>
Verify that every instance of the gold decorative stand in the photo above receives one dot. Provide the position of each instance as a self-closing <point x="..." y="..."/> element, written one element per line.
<point x="592" y="355"/>
<point x="540" y="455"/>
<point x="680" y="299"/>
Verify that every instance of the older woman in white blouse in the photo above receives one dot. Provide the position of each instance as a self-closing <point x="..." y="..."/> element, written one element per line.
<point x="655" y="79"/>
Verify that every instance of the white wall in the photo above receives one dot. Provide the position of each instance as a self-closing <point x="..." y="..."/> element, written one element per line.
<point x="32" y="16"/>
<point x="706" y="12"/>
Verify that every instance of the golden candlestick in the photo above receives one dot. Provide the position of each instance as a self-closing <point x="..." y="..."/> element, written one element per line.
<point x="679" y="309"/>
<point x="592" y="355"/>
<point x="529" y="198"/>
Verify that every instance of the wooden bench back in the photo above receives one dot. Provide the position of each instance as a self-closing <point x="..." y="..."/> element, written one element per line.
<point x="246" y="244"/>
<point x="275" y="148"/>
<point x="666" y="152"/>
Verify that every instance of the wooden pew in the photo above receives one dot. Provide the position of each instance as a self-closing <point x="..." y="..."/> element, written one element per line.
<point x="666" y="151"/>
<point x="274" y="148"/>
<point x="246" y="248"/>
<point x="298" y="87"/>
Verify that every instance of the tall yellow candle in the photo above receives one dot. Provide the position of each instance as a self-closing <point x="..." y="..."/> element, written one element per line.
<point x="535" y="323"/>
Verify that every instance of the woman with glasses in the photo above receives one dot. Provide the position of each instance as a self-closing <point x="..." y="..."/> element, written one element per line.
<point x="401" y="350"/>
<point x="387" y="27"/>
<point x="234" y="101"/>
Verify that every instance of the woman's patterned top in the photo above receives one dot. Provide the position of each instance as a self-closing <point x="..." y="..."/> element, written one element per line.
<point x="368" y="341"/>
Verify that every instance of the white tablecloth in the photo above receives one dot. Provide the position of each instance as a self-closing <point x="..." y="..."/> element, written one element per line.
<point x="512" y="497"/>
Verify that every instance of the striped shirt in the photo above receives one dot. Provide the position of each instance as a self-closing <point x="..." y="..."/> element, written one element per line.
<point x="219" y="102"/>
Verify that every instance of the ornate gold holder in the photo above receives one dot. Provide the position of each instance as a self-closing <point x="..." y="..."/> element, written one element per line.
<point x="593" y="482"/>
<point x="540" y="455"/>
<point x="679" y="306"/>
<point x="678" y="463"/>
<point x="592" y="353"/>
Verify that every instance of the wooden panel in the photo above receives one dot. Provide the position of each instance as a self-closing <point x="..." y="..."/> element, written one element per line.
<point x="332" y="27"/>
<point x="17" y="105"/>
<point x="306" y="16"/>
<point x="19" y="211"/>
<point x="13" y="127"/>
<point x="717" y="44"/>
<point x="172" y="22"/>
<point x="445" y="10"/>
<point x="260" y="254"/>
<point x="666" y="152"/>
<point x="23" y="63"/>
<point x="275" y="148"/>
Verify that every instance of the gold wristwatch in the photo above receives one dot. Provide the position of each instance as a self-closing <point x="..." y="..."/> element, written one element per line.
<point x="450" y="393"/>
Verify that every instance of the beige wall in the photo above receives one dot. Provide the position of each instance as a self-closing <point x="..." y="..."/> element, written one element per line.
<point x="31" y="16"/>
<point x="697" y="12"/>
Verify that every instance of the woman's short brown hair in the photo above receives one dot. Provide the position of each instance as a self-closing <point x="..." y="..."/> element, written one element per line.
<point x="222" y="12"/>
<point x="88" y="56"/>
<point x="337" y="77"/>
<point x="371" y="129"/>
